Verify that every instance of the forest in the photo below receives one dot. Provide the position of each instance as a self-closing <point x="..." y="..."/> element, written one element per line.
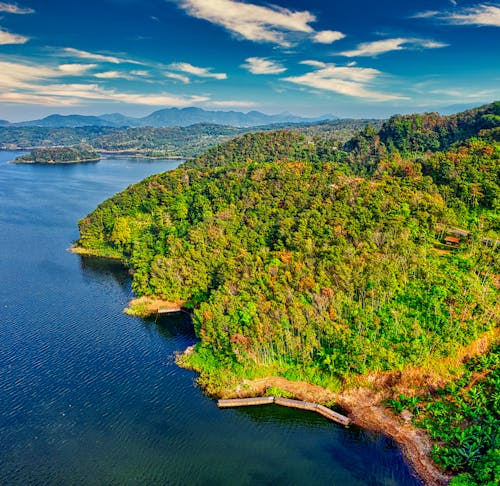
<point x="157" y="142"/>
<point x="60" y="155"/>
<point x="322" y="260"/>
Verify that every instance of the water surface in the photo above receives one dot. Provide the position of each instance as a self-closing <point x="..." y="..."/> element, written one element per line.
<point x="91" y="396"/>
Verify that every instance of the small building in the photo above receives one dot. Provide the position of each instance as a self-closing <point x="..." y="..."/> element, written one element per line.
<point x="452" y="241"/>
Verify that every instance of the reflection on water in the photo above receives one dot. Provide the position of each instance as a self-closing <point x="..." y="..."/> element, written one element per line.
<point x="92" y="396"/>
<point x="95" y="268"/>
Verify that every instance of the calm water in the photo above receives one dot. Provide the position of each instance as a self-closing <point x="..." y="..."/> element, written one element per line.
<point x="91" y="396"/>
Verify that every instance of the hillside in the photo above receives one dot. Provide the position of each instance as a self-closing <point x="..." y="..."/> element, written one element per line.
<point x="431" y="131"/>
<point x="323" y="263"/>
<point x="186" y="141"/>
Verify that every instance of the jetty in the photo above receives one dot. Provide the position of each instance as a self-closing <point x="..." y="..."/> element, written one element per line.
<point x="168" y="310"/>
<point x="285" y="402"/>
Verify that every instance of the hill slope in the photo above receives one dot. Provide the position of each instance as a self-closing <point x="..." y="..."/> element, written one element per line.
<point x="302" y="263"/>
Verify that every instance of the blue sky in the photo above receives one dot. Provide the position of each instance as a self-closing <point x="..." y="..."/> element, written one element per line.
<point x="357" y="58"/>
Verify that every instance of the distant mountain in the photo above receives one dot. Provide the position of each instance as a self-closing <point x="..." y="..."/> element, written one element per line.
<point x="66" y="121"/>
<point x="119" y="120"/>
<point x="171" y="117"/>
<point x="189" y="116"/>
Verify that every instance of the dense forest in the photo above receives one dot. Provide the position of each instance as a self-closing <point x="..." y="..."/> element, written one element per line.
<point x="322" y="261"/>
<point x="161" y="142"/>
<point x="60" y="155"/>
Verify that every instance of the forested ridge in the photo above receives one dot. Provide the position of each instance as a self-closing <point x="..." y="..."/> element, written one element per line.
<point x="321" y="261"/>
<point x="183" y="141"/>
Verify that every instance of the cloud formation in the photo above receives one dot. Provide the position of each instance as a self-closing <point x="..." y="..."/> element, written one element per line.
<point x="327" y="36"/>
<point x="256" y="22"/>
<point x="345" y="80"/>
<point x="25" y="83"/>
<point x="178" y="77"/>
<point x="12" y="8"/>
<point x="387" y="45"/>
<point x="185" y="67"/>
<point x="76" y="69"/>
<point x="481" y="15"/>
<point x="8" y="38"/>
<point x="97" y="57"/>
<point x="263" y="65"/>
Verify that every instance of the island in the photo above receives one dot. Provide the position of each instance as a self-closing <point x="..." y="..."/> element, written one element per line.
<point x="60" y="155"/>
<point x="323" y="271"/>
<point x="160" y="142"/>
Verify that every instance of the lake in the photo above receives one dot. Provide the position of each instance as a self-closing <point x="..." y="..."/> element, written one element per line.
<point x="92" y="396"/>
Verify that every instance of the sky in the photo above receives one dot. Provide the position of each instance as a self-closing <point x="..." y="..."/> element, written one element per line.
<point x="356" y="58"/>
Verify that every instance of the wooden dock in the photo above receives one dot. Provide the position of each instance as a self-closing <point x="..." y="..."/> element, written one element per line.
<point x="168" y="310"/>
<point x="245" y="402"/>
<point x="286" y="402"/>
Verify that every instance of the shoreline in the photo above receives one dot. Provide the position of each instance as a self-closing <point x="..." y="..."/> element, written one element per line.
<point x="363" y="404"/>
<point x="66" y="162"/>
<point x="78" y="250"/>
<point x="363" y="407"/>
<point x="105" y="153"/>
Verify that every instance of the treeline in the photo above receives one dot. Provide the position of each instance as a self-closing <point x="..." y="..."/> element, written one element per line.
<point x="187" y="141"/>
<point x="305" y="264"/>
<point x="59" y="155"/>
<point x="168" y="141"/>
<point x="317" y="260"/>
<point x="273" y="146"/>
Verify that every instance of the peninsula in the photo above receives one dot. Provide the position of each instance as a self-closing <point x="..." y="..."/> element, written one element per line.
<point x="307" y="260"/>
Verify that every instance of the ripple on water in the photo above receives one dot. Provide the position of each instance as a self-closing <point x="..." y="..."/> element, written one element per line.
<point x="92" y="396"/>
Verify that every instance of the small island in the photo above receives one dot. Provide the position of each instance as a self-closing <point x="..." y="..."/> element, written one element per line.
<point x="60" y="155"/>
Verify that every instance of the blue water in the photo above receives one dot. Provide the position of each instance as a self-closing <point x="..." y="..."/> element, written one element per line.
<point x="91" y="396"/>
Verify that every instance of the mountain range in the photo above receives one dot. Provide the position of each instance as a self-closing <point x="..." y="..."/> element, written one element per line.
<point x="169" y="117"/>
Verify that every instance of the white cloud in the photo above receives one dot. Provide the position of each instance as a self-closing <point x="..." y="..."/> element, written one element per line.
<point x="14" y="9"/>
<point x="32" y="84"/>
<point x="426" y="15"/>
<point x="76" y="69"/>
<point x="262" y="65"/>
<point x="461" y="94"/>
<point x="480" y="15"/>
<point x="140" y="73"/>
<point x="17" y="75"/>
<point x="257" y="22"/>
<point x="8" y="38"/>
<point x="185" y="67"/>
<point x="345" y="80"/>
<point x="97" y="57"/>
<point x="328" y="36"/>
<point x="178" y="77"/>
<point x="312" y="63"/>
<point x="113" y="75"/>
<point x="387" y="45"/>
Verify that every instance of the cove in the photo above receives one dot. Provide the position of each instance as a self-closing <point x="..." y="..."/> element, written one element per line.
<point x="91" y="396"/>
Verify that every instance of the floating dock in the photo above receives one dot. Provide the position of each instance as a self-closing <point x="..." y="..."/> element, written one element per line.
<point x="286" y="402"/>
